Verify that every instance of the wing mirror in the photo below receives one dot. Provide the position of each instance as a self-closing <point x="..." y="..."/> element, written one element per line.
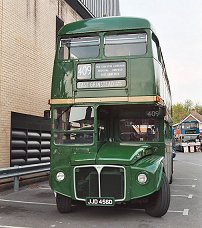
<point x="47" y="115"/>
<point x="162" y="111"/>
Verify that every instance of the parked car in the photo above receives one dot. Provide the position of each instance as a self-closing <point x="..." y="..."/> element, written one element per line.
<point x="174" y="153"/>
<point x="179" y="147"/>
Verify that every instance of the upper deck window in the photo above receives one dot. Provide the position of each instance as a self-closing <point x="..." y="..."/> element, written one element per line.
<point x="79" y="48"/>
<point x="125" y="44"/>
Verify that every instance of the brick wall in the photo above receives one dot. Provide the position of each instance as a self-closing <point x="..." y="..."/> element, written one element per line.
<point x="27" y="48"/>
<point x="1" y="16"/>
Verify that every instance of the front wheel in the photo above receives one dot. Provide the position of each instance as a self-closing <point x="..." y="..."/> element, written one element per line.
<point x="63" y="203"/>
<point x="159" y="201"/>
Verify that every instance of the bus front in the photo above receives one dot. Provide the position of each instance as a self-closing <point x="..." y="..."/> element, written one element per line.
<point x="108" y="121"/>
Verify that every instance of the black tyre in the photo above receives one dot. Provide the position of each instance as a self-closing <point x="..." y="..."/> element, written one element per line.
<point x="171" y="179"/>
<point x="159" y="201"/>
<point x="63" y="203"/>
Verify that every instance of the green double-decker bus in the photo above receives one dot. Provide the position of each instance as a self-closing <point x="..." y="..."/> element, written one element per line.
<point x="111" y="116"/>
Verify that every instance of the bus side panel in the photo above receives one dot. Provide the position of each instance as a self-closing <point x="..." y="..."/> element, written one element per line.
<point x="62" y="86"/>
<point x="141" y="78"/>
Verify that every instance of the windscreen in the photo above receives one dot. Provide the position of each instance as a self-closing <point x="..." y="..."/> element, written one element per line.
<point x="192" y="125"/>
<point x="73" y="125"/>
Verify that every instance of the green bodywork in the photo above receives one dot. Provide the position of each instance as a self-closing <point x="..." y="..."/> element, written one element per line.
<point x="106" y="24"/>
<point x="65" y="159"/>
<point x="143" y="79"/>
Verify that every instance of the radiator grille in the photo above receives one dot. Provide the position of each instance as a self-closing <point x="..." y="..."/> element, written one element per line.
<point x="99" y="181"/>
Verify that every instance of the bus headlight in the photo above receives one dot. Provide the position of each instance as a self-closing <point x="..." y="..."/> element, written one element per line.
<point x="142" y="178"/>
<point x="60" y="176"/>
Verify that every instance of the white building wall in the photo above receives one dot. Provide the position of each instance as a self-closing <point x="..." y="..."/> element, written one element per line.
<point x="27" y="48"/>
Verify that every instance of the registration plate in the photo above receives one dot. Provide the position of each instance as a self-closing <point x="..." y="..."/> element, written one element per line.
<point x="99" y="201"/>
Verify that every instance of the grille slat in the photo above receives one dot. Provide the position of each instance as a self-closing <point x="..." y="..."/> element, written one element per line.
<point x="86" y="182"/>
<point x="111" y="181"/>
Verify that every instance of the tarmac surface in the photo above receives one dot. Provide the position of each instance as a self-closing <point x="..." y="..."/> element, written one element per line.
<point x="34" y="205"/>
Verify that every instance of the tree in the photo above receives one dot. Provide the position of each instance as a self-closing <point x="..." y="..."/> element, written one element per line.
<point x="181" y="110"/>
<point x="188" y="106"/>
<point x="198" y="108"/>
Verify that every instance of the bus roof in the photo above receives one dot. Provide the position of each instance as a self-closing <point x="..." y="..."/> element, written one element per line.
<point x="104" y="24"/>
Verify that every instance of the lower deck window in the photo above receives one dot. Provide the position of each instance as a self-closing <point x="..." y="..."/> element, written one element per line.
<point x="139" y="129"/>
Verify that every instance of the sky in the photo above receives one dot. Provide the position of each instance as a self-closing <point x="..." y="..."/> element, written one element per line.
<point x="178" y="25"/>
